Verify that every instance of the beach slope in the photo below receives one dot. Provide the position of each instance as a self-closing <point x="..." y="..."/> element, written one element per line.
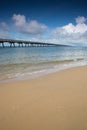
<point x="53" y="102"/>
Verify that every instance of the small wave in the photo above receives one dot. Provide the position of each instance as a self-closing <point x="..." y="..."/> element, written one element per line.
<point x="62" y="61"/>
<point x="40" y="62"/>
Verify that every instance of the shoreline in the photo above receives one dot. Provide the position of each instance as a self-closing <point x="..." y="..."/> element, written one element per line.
<point x="51" y="102"/>
<point x="44" y="76"/>
<point x="43" y="72"/>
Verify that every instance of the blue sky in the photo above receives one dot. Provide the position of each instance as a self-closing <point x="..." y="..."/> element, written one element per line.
<point x="59" y="21"/>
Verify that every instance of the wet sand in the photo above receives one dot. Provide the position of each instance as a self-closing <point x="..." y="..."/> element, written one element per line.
<point x="53" y="102"/>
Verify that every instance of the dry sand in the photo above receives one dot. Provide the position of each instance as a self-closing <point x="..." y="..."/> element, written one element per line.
<point x="52" y="102"/>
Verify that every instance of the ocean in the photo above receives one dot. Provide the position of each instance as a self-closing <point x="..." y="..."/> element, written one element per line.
<point x="31" y="62"/>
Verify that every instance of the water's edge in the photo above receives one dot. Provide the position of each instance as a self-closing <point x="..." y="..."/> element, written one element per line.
<point x="45" y="71"/>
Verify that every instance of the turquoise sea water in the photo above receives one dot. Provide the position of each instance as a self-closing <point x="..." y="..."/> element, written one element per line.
<point x="30" y="62"/>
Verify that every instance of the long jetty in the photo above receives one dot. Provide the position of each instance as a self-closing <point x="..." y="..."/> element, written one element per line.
<point x="22" y="43"/>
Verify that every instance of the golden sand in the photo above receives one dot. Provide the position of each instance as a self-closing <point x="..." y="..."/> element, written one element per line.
<point x="53" y="102"/>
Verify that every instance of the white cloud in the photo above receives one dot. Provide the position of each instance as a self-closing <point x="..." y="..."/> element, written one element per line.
<point x="4" y="30"/>
<point x="70" y="28"/>
<point x="80" y="19"/>
<point x="70" y="33"/>
<point x="30" y="27"/>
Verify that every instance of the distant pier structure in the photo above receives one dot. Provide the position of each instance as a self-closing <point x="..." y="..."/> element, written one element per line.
<point x="22" y="43"/>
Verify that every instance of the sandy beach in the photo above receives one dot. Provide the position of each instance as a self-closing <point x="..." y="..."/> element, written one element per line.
<point x="53" y="102"/>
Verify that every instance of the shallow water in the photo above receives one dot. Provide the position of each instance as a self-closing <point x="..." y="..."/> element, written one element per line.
<point x="31" y="62"/>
